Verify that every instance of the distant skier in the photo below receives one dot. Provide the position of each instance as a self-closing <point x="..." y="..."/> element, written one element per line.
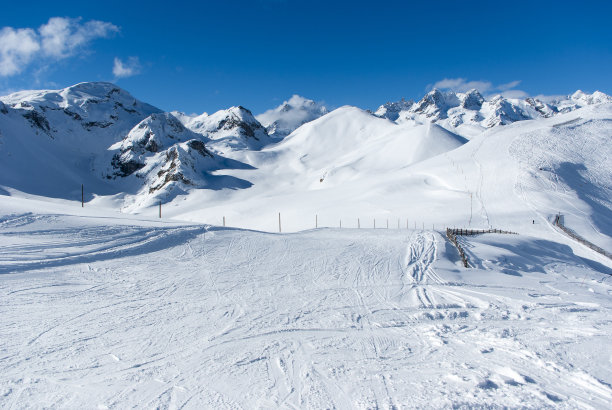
<point x="533" y="221"/>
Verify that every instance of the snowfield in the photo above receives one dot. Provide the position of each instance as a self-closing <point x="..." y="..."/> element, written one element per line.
<point x="110" y="312"/>
<point x="110" y="306"/>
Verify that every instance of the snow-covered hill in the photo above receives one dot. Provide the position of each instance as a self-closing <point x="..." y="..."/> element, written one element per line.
<point x="284" y="119"/>
<point x="346" y="164"/>
<point x="109" y="306"/>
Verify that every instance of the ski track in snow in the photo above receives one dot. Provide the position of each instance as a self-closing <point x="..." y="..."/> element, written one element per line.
<point x="183" y="317"/>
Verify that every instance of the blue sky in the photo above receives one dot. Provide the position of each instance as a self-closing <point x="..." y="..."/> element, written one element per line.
<point x="215" y="54"/>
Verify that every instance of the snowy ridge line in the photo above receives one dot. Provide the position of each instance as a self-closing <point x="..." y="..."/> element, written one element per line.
<point x="451" y="234"/>
<point x="557" y="222"/>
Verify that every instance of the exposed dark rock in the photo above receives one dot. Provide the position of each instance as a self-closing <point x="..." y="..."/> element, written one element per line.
<point x="473" y="100"/>
<point x="151" y="145"/>
<point x="98" y="124"/>
<point x="170" y="177"/>
<point x="130" y="110"/>
<point x="199" y="147"/>
<point x="72" y="114"/>
<point x="544" y="109"/>
<point x="125" y="168"/>
<point x="38" y="120"/>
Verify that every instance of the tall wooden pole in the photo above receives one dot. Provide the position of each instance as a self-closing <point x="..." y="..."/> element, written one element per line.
<point x="82" y="197"/>
<point x="471" y="208"/>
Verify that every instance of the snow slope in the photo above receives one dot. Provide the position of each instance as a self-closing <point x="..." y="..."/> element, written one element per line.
<point x="109" y="306"/>
<point x="352" y="166"/>
<point x="291" y="114"/>
<point x="322" y="168"/>
<point x="104" y="311"/>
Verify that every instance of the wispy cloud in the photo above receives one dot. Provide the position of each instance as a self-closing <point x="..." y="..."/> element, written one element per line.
<point x="59" y="38"/>
<point x="485" y="87"/>
<point x="126" y="69"/>
<point x="462" y="85"/>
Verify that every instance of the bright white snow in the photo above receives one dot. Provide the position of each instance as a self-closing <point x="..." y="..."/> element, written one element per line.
<point x="100" y="311"/>
<point x="109" y="306"/>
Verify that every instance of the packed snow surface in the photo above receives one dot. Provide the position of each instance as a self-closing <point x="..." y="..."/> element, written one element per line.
<point x="109" y="311"/>
<point x="110" y="306"/>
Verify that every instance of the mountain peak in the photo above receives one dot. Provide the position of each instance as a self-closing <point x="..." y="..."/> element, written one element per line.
<point x="436" y="103"/>
<point x="472" y="100"/>
<point x="291" y="114"/>
<point x="391" y="110"/>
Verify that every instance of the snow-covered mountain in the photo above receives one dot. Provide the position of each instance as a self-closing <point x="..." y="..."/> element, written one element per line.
<point x="284" y="119"/>
<point x="391" y="110"/>
<point x="99" y="112"/>
<point x="228" y="130"/>
<point x="470" y="113"/>
<point x="99" y="135"/>
<point x="122" y="149"/>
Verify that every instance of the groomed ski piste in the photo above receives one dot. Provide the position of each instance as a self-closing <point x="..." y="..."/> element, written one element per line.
<point x="100" y="311"/>
<point x="110" y="306"/>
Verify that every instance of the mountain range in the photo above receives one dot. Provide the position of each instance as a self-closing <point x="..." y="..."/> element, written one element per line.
<point x="131" y="155"/>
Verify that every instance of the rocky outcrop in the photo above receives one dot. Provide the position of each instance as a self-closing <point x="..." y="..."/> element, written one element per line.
<point x="391" y="110"/>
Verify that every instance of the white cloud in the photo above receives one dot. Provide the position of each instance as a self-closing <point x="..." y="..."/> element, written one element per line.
<point x="461" y="85"/>
<point x="17" y="48"/>
<point x="514" y="93"/>
<point x="129" y="68"/>
<point x="58" y="39"/>
<point x="509" y="85"/>
<point x="485" y="87"/>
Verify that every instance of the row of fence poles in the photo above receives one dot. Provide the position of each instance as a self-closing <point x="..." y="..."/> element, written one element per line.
<point x="279" y="216"/>
<point x="433" y="226"/>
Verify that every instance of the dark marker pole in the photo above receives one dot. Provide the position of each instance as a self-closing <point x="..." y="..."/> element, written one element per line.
<point x="82" y="197"/>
